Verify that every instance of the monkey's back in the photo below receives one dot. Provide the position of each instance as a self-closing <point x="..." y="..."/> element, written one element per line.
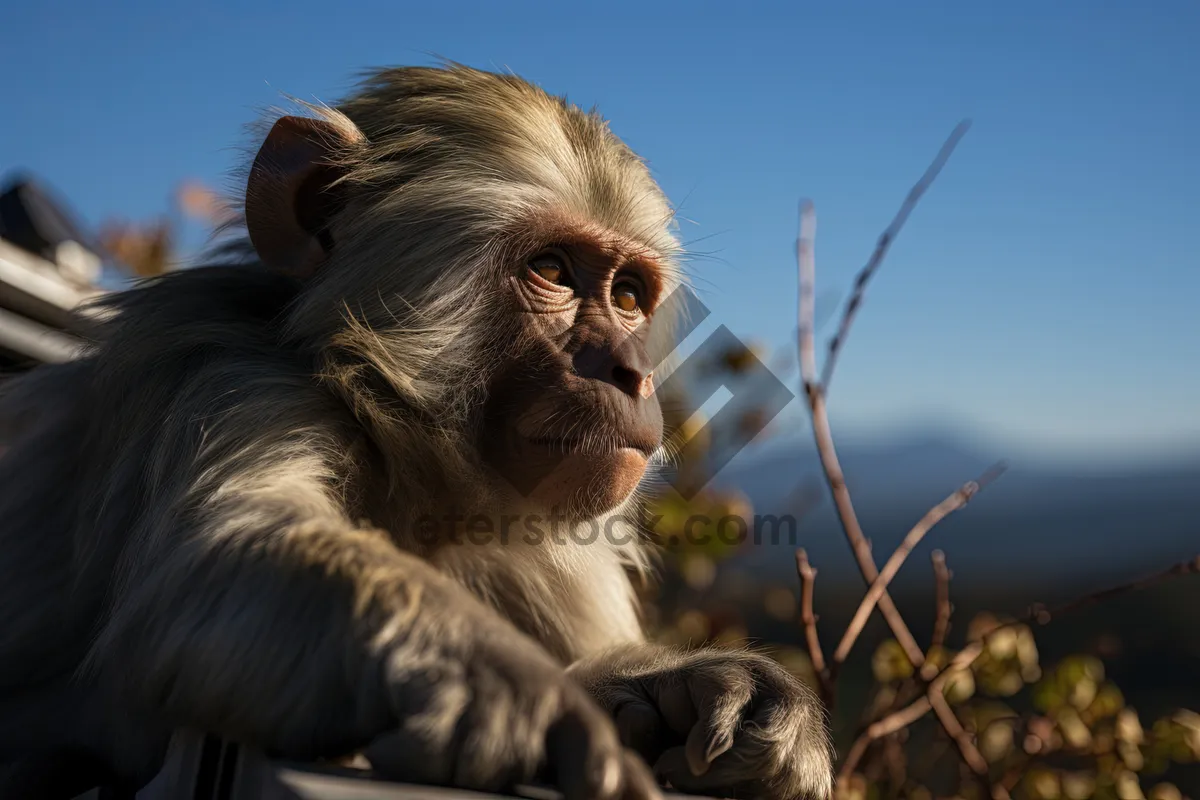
<point x="86" y="443"/>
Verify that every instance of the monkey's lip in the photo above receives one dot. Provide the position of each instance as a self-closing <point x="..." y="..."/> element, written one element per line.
<point x="599" y="447"/>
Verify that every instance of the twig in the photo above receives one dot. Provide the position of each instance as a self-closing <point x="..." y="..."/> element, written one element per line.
<point x="941" y="576"/>
<point x="966" y="744"/>
<point x="808" y="578"/>
<point x="853" y="530"/>
<point x="806" y="312"/>
<point x="815" y="391"/>
<point x="905" y="716"/>
<point x="935" y="515"/>
<point x="1040" y="615"/>
<point x="933" y="699"/>
<point x="896" y="721"/>
<point x="881" y="247"/>
<point x="1037" y="615"/>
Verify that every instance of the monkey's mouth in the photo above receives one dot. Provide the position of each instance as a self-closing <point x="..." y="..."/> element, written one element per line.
<point x="590" y="470"/>
<point x="594" y="445"/>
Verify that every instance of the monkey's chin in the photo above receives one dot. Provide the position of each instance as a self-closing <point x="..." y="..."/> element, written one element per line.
<point x="580" y="485"/>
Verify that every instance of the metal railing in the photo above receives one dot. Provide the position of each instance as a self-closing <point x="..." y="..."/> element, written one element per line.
<point x="200" y="767"/>
<point x="37" y="307"/>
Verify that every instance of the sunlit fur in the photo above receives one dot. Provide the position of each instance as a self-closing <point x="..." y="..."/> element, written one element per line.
<point x="782" y="748"/>
<point x="207" y="519"/>
<point x="460" y="170"/>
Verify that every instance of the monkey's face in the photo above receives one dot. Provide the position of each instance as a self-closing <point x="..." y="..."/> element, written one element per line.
<point x="572" y="420"/>
<point x="480" y="261"/>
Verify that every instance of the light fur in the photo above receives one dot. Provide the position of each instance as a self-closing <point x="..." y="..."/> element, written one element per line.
<point x="209" y="517"/>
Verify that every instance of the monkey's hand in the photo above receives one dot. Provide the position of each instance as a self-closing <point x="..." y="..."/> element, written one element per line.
<point x="313" y="639"/>
<point x="499" y="712"/>
<point x="722" y="722"/>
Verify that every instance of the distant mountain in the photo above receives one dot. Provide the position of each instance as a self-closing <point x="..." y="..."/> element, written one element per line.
<point x="1040" y="533"/>
<point x="1053" y="527"/>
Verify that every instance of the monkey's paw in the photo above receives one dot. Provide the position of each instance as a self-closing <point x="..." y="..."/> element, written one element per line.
<point x="500" y="714"/>
<point x="720" y="722"/>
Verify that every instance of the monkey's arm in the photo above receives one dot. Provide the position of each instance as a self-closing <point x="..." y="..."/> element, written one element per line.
<point x="252" y="607"/>
<point x="714" y="721"/>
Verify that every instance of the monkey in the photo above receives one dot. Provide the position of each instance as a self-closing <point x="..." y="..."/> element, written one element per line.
<point x="437" y="308"/>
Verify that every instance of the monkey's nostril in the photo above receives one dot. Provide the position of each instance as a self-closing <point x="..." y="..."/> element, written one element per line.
<point x="627" y="380"/>
<point x="618" y="368"/>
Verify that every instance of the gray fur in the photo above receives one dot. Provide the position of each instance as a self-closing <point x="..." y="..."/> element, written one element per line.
<point x="208" y="518"/>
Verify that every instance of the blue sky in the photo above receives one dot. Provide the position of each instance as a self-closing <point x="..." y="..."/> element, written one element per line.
<point x="1042" y="295"/>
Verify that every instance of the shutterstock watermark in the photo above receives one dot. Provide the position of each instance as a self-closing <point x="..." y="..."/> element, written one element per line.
<point x="618" y="530"/>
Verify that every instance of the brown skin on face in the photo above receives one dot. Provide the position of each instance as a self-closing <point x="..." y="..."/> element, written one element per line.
<point x="573" y="416"/>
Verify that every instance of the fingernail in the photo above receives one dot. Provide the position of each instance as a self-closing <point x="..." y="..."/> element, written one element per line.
<point x="606" y="776"/>
<point x="718" y="743"/>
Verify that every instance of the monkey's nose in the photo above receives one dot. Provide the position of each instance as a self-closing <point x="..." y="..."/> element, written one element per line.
<point x="621" y="367"/>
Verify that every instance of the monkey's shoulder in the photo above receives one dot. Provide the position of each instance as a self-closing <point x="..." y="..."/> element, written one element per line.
<point x="177" y="359"/>
<point x="233" y="306"/>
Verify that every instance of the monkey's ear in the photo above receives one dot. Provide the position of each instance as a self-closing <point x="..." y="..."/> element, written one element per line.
<point x="291" y="195"/>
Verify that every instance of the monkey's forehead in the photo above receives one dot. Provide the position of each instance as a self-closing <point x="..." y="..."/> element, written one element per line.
<point x="499" y="142"/>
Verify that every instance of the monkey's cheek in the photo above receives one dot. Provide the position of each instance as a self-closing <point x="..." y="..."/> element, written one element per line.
<point x="591" y="484"/>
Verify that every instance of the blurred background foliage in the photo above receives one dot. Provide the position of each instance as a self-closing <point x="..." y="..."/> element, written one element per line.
<point x="149" y="248"/>
<point x="1047" y="731"/>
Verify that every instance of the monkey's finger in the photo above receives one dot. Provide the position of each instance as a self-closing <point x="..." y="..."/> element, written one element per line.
<point x="672" y="768"/>
<point x="398" y="754"/>
<point x="639" y="782"/>
<point x="641" y="728"/>
<point x="675" y="704"/>
<point x="720" y="701"/>
<point x="721" y="780"/>
<point x="585" y="755"/>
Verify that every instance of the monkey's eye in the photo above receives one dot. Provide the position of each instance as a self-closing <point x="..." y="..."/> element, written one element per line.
<point x="549" y="267"/>
<point x="627" y="296"/>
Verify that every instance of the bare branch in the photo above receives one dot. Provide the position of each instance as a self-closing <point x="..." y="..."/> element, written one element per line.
<point x="815" y="392"/>
<point x="1037" y="615"/>
<point x="877" y="596"/>
<point x="808" y="579"/>
<point x="965" y="742"/>
<point x="807" y="280"/>
<point x="935" y="515"/>
<point x="881" y="248"/>
<point x="851" y="527"/>
<point x="899" y="719"/>
<point x="877" y="730"/>
<point x="942" y="575"/>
